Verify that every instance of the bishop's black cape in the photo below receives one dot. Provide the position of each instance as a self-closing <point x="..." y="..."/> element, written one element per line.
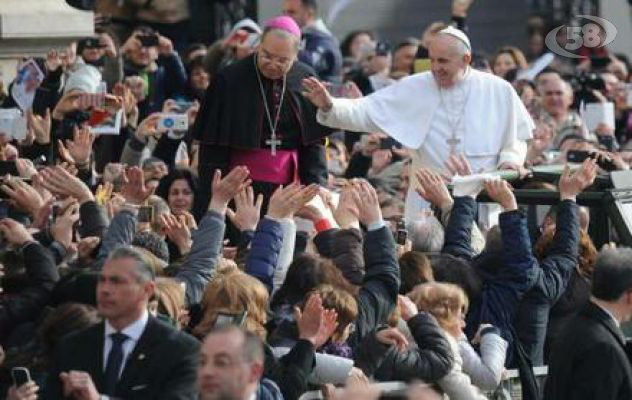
<point x="233" y="117"/>
<point x="232" y="111"/>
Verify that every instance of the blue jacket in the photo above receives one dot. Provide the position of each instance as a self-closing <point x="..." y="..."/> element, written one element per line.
<point x="321" y="52"/>
<point x="549" y="280"/>
<point x="268" y="390"/>
<point x="264" y="251"/>
<point x="506" y="274"/>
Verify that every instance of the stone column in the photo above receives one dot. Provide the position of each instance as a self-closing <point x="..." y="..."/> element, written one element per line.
<point x="30" y="28"/>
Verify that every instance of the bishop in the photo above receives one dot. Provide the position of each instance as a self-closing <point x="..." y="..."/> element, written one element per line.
<point x="254" y="115"/>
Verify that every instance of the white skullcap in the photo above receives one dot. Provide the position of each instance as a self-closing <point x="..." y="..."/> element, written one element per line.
<point x="85" y="78"/>
<point x="459" y="34"/>
<point x="247" y="24"/>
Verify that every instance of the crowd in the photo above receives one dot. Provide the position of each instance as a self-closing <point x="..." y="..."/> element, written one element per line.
<point x="278" y="212"/>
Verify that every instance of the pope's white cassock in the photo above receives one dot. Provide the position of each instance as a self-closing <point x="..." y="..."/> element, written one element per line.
<point x="481" y="117"/>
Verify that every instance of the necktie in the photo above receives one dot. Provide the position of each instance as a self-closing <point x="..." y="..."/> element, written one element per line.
<point x="115" y="360"/>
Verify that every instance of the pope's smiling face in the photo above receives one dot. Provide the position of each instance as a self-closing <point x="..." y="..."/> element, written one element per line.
<point x="447" y="60"/>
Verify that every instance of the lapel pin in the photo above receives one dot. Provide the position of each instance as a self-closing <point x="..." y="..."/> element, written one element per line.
<point x="141" y="357"/>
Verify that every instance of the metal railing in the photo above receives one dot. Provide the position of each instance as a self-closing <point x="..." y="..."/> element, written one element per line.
<point x="510" y="384"/>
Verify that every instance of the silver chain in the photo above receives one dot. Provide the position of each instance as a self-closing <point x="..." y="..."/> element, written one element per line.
<point x="273" y="127"/>
<point x="455" y="125"/>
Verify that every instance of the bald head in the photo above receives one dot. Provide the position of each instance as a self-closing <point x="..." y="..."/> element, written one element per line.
<point x="449" y="58"/>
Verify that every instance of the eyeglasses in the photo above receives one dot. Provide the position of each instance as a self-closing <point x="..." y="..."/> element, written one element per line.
<point x="265" y="56"/>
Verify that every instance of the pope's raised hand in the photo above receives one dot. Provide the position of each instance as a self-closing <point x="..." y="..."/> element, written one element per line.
<point x="317" y="93"/>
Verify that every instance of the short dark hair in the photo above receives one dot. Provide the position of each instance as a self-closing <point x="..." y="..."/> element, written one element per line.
<point x="613" y="274"/>
<point x="252" y="349"/>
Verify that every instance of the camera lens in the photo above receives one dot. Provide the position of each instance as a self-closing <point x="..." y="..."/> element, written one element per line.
<point x="169" y="123"/>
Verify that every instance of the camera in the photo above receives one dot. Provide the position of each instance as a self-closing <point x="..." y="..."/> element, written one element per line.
<point x="92" y="43"/>
<point x="173" y="122"/>
<point x="13" y="123"/>
<point x="148" y="40"/>
<point x="583" y="86"/>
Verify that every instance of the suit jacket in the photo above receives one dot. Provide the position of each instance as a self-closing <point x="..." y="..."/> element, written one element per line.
<point x="590" y="361"/>
<point x="162" y="365"/>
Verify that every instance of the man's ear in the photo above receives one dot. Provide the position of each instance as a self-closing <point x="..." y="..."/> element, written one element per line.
<point x="149" y="288"/>
<point x="256" y="371"/>
<point x="467" y="59"/>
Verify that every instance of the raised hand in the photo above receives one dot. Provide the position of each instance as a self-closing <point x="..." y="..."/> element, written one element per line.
<point x="25" y="168"/>
<point x="177" y="230"/>
<point x="22" y="195"/>
<point x="134" y="189"/>
<point x="14" y="232"/>
<point x="317" y="93"/>
<point x="286" y="201"/>
<point x="571" y="184"/>
<point x="347" y="213"/>
<point x="28" y="391"/>
<point x="407" y="308"/>
<point x="40" y="126"/>
<point x="458" y="165"/>
<point x="148" y="127"/>
<point x="224" y="189"/>
<point x="500" y="191"/>
<point x="314" y="323"/>
<point x="80" y="147"/>
<point x="248" y="210"/>
<point x="368" y="204"/>
<point x="433" y="189"/>
<point x="62" y="183"/>
<point x="62" y="229"/>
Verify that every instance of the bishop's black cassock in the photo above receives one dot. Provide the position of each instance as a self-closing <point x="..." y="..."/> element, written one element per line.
<point x="233" y="125"/>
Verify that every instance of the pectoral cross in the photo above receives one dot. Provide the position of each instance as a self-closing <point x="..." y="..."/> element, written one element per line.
<point x="273" y="142"/>
<point x="453" y="142"/>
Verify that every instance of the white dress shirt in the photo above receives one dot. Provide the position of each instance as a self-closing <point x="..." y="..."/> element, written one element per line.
<point x="133" y="332"/>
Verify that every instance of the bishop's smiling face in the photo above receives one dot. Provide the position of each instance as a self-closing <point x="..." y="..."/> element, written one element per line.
<point x="276" y="54"/>
<point x="447" y="61"/>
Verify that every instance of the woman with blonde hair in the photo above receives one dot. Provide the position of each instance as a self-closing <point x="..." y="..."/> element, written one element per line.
<point x="471" y="372"/>
<point x="234" y="292"/>
<point x="169" y="301"/>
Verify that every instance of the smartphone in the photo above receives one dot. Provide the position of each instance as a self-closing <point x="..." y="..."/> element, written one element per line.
<point x="8" y="168"/>
<point x="146" y="214"/>
<point x="577" y="156"/>
<point x="148" y="40"/>
<point x="225" y="319"/>
<point x="388" y="143"/>
<point x="402" y="232"/>
<point x="20" y="375"/>
<point x="176" y="122"/>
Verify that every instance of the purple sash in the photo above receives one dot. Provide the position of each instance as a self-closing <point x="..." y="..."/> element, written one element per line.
<point x="280" y="169"/>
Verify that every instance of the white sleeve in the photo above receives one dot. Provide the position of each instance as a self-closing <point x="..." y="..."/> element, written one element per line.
<point x="349" y="114"/>
<point x="286" y="254"/>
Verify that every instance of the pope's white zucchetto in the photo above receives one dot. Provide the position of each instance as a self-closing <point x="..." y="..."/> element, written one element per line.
<point x="459" y="34"/>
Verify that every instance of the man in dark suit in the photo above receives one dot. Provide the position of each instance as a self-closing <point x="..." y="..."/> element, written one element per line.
<point x="590" y="361"/>
<point x="131" y="355"/>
